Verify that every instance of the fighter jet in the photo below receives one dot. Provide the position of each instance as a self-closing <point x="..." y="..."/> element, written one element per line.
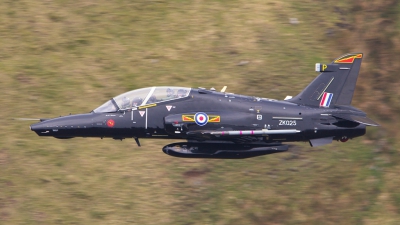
<point x="218" y="124"/>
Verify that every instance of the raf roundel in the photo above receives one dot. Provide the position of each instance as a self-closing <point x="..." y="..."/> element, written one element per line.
<point x="201" y="118"/>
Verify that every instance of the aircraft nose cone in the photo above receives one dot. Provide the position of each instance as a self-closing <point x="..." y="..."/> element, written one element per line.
<point x="65" y="126"/>
<point x="39" y="128"/>
<point x="34" y="127"/>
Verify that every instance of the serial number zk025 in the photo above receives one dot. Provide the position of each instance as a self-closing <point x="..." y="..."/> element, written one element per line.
<point x="287" y="122"/>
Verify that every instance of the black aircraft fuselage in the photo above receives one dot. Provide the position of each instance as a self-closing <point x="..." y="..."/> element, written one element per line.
<point x="226" y="125"/>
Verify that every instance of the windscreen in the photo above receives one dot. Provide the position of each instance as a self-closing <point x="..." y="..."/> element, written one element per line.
<point x="106" y="107"/>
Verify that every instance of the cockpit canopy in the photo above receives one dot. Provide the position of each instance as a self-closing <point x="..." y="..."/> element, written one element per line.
<point x="143" y="96"/>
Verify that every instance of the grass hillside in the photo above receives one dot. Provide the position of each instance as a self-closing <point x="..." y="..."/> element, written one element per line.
<point x="61" y="57"/>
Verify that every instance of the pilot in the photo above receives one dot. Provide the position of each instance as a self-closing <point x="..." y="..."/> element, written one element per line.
<point x="137" y="102"/>
<point x="170" y="92"/>
<point x="125" y="103"/>
<point x="152" y="99"/>
<point x="181" y="93"/>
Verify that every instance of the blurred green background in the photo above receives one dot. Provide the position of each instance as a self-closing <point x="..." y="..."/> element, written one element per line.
<point x="59" y="57"/>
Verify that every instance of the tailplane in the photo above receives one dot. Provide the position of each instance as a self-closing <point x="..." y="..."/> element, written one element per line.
<point x="335" y="85"/>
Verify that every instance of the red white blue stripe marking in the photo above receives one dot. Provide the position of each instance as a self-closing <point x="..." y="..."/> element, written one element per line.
<point x="326" y="100"/>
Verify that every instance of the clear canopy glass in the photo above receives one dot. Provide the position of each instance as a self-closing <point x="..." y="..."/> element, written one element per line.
<point x="143" y="96"/>
<point x="109" y="106"/>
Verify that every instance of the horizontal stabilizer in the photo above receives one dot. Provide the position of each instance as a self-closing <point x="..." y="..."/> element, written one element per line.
<point x="358" y="119"/>
<point x="365" y="120"/>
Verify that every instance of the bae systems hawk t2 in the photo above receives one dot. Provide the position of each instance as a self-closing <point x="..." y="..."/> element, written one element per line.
<point x="226" y="125"/>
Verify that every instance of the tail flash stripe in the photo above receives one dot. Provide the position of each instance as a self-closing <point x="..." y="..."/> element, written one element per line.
<point x="330" y="99"/>
<point x="349" y="59"/>
<point x="326" y="100"/>
<point x="322" y="100"/>
<point x="346" y="60"/>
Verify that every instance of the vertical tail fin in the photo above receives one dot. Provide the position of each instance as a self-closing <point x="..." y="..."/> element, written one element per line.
<point x="335" y="85"/>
